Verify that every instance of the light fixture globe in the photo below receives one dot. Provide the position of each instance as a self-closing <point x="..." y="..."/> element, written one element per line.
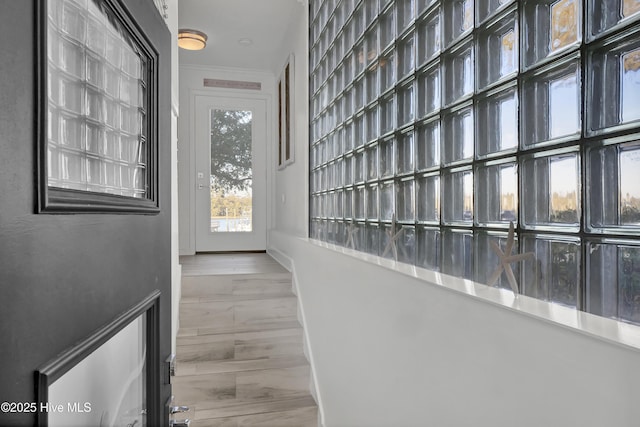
<point x="191" y="39"/>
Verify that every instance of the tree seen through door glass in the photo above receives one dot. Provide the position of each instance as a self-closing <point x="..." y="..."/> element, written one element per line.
<point x="231" y="173"/>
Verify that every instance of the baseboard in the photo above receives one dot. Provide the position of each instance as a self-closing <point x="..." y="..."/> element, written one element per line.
<point x="288" y="263"/>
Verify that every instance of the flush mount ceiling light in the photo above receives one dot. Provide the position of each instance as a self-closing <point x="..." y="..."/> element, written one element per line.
<point x="245" y="42"/>
<point x="191" y="39"/>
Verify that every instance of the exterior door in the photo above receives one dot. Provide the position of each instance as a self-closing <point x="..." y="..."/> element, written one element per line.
<point x="231" y="174"/>
<point x="65" y="275"/>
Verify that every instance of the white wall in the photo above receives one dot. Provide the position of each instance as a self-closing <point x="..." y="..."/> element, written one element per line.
<point x="291" y="201"/>
<point x="392" y="350"/>
<point x="389" y="349"/>
<point x="176" y="270"/>
<point x="191" y="83"/>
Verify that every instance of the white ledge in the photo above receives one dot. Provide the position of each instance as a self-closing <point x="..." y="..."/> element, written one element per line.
<point x="611" y="330"/>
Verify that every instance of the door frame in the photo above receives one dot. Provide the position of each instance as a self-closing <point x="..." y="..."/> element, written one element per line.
<point x="192" y="170"/>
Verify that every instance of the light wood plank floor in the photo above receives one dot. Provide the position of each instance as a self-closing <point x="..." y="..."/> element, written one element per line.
<point x="240" y="359"/>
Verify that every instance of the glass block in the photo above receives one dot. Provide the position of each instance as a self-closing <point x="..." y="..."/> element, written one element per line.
<point x="387" y="157"/>
<point x="406" y="13"/>
<point x="372" y="202"/>
<point x="72" y="131"/>
<point x="359" y="167"/>
<point x="372" y="162"/>
<point x="371" y="10"/>
<point x="372" y="49"/>
<point x="329" y="204"/>
<point x="358" y="20"/>
<point x="614" y="95"/>
<point x="339" y="143"/>
<point x="551" y="106"/>
<point x="349" y="165"/>
<point x="113" y="49"/>
<point x="405" y="201"/>
<point x="359" y="58"/>
<point x="613" y="193"/>
<point x="406" y="245"/>
<point x="73" y="20"/>
<point x="486" y="260"/>
<point x="554" y="275"/>
<point x="423" y="5"/>
<point x="72" y="169"/>
<point x="387" y="114"/>
<point x="95" y="105"/>
<point x="387" y="201"/>
<point x="457" y="70"/>
<point x="339" y="203"/>
<point x="358" y="94"/>
<point x="428" y="202"/>
<point x="606" y="15"/>
<point x="372" y="123"/>
<point x="338" y="45"/>
<point x="406" y="56"/>
<point x="338" y="172"/>
<point x="487" y="8"/>
<point x="94" y="138"/>
<point x="497" y="123"/>
<point x="359" y="130"/>
<point x="349" y="68"/>
<point x="406" y="150"/>
<point x="331" y="182"/>
<point x="334" y="234"/>
<point x="457" y="199"/>
<point x="387" y="66"/>
<point x="458" y="135"/>
<point x="371" y="79"/>
<point x="458" y="19"/>
<point x="72" y="59"/>
<point x="428" y="248"/>
<point x="358" y="203"/>
<point x="348" y="202"/>
<point x="457" y="254"/>
<point x="373" y="238"/>
<point x="613" y="280"/>
<point x="498" y="51"/>
<point x="498" y="185"/>
<point x="551" y="195"/>
<point x="72" y="95"/>
<point x="387" y="27"/>
<point x="428" y="145"/>
<point x="347" y="102"/>
<point x="429" y="91"/>
<point x="113" y="177"/>
<point x="550" y="27"/>
<point x="406" y="104"/>
<point x="428" y="31"/>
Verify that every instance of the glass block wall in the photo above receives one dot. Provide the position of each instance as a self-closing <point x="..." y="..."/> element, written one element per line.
<point x="97" y="101"/>
<point x="437" y="123"/>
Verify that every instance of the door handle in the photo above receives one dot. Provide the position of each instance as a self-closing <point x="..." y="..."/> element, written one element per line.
<point x="180" y="423"/>
<point x="178" y="409"/>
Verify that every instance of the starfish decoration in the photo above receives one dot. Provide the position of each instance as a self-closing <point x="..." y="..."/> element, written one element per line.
<point x="506" y="259"/>
<point x="393" y="237"/>
<point x="351" y="235"/>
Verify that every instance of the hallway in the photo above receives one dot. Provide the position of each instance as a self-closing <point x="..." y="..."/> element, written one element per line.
<point x="240" y="358"/>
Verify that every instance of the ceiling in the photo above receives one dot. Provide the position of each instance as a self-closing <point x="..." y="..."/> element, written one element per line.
<point x="264" y="22"/>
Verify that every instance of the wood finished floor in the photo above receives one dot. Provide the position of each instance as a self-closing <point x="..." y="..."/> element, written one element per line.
<point x="240" y="359"/>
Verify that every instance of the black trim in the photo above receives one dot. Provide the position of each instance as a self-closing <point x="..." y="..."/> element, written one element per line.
<point x="49" y="373"/>
<point x="61" y="200"/>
